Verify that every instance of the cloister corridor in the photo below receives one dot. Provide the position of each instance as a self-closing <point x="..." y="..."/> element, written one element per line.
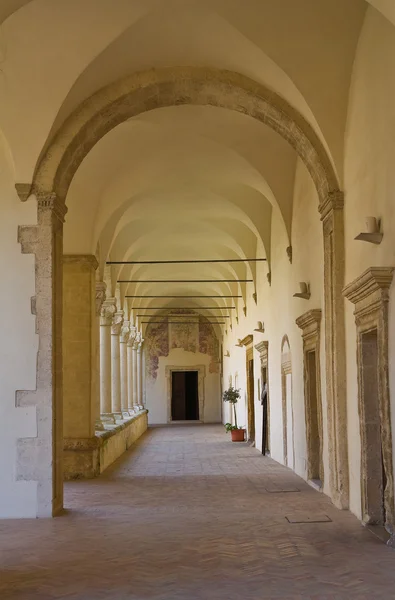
<point x="185" y="514"/>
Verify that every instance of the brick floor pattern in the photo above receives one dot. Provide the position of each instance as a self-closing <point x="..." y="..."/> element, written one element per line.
<point x="186" y="514"/>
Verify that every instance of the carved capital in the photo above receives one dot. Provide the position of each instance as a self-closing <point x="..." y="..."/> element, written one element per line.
<point x="99" y="296"/>
<point x="107" y="313"/>
<point x="116" y="325"/>
<point x="132" y="336"/>
<point x="125" y="332"/>
<point x="50" y="204"/>
<point x="333" y="201"/>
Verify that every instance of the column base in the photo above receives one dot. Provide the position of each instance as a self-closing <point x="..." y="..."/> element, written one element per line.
<point x="108" y="418"/>
<point x="118" y="416"/>
<point x="125" y="415"/>
<point x="99" y="425"/>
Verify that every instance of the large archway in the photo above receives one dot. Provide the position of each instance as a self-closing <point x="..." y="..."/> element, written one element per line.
<point x="96" y="117"/>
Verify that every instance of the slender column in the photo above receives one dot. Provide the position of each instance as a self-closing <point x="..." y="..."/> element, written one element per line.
<point x="123" y="340"/>
<point x="134" y="371"/>
<point x="131" y="339"/>
<point x="106" y="317"/>
<point x="331" y="210"/>
<point x="140" y="376"/>
<point x="143" y="381"/>
<point x="100" y="295"/>
<point x="116" y="366"/>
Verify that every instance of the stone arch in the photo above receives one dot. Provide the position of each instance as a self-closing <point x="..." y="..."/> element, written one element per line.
<point x="287" y="405"/>
<point x="158" y="88"/>
<point x="112" y="106"/>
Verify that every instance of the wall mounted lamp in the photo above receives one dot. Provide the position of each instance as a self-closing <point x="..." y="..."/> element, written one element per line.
<point x="260" y="327"/>
<point x="304" y="291"/>
<point x="372" y="234"/>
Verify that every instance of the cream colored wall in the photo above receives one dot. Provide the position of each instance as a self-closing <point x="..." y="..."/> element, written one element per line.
<point x="279" y="310"/>
<point x="18" y="347"/>
<point x="370" y="191"/>
<point x="156" y="389"/>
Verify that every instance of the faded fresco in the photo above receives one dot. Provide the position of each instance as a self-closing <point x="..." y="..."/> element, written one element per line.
<point x="198" y="336"/>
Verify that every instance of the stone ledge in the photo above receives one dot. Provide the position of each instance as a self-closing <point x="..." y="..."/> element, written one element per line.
<point x="86" y="458"/>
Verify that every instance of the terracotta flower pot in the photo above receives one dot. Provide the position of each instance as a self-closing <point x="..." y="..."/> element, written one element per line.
<point x="237" y="435"/>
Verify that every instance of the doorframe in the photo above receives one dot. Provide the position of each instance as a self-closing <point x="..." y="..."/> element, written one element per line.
<point x="310" y="324"/>
<point x="201" y="370"/>
<point x="370" y="295"/>
<point x="263" y="349"/>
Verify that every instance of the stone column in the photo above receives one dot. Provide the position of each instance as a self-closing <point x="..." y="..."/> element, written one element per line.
<point x="125" y="332"/>
<point x="106" y="317"/>
<point x="79" y="346"/>
<point x="331" y="210"/>
<point x="116" y="366"/>
<point x="140" y="375"/>
<point x="131" y="339"/>
<point x="100" y="295"/>
<point x="134" y="374"/>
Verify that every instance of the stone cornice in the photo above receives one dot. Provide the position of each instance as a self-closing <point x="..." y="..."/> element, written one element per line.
<point x="374" y="279"/>
<point x="310" y="319"/>
<point x="261" y="347"/>
<point x="333" y="201"/>
<point x="247" y="340"/>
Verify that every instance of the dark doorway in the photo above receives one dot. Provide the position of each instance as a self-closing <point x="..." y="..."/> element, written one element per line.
<point x="314" y="439"/>
<point x="250" y="396"/>
<point x="265" y="412"/>
<point x="372" y="462"/>
<point x="184" y="396"/>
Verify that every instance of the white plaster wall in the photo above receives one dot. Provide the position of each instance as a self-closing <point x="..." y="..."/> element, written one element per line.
<point x="18" y="344"/>
<point x="156" y="389"/>
<point x="370" y="191"/>
<point x="277" y="308"/>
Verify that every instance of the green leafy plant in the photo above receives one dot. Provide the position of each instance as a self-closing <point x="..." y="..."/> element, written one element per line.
<point x="233" y="396"/>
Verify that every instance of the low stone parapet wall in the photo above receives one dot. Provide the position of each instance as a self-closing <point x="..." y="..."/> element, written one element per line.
<point x="85" y="458"/>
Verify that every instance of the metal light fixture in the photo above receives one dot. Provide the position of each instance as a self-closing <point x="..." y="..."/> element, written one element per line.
<point x="372" y="234"/>
<point x="304" y="291"/>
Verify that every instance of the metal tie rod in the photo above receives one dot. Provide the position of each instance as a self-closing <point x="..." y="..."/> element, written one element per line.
<point x="190" y="316"/>
<point x="181" y="322"/>
<point x="183" y="296"/>
<point x="183" y="262"/>
<point x="185" y="307"/>
<point x="185" y="280"/>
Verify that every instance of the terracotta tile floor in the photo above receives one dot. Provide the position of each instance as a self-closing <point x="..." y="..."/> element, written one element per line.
<point x="185" y="514"/>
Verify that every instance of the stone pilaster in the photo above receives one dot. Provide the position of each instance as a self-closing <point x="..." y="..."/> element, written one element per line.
<point x="116" y="366"/>
<point x="40" y="458"/>
<point x="123" y="341"/>
<point x="106" y="318"/>
<point x="130" y="344"/>
<point x="99" y="299"/>
<point x="79" y="346"/>
<point x="331" y="210"/>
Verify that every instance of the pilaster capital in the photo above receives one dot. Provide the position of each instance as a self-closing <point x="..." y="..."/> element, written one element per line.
<point x="107" y="313"/>
<point x="132" y="336"/>
<point x="50" y="203"/>
<point x="125" y="332"/>
<point x="116" y="324"/>
<point x="334" y="200"/>
<point x="100" y="294"/>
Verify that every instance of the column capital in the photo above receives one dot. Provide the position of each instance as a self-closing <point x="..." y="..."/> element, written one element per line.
<point x="100" y="295"/>
<point x="107" y="312"/>
<point x="50" y="203"/>
<point x="125" y="332"/>
<point x="333" y="201"/>
<point x="132" y="336"/>
<point x="116" y="325"/>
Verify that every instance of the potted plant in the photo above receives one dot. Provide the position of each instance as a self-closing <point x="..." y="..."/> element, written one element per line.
<point x="232" y="395"/>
